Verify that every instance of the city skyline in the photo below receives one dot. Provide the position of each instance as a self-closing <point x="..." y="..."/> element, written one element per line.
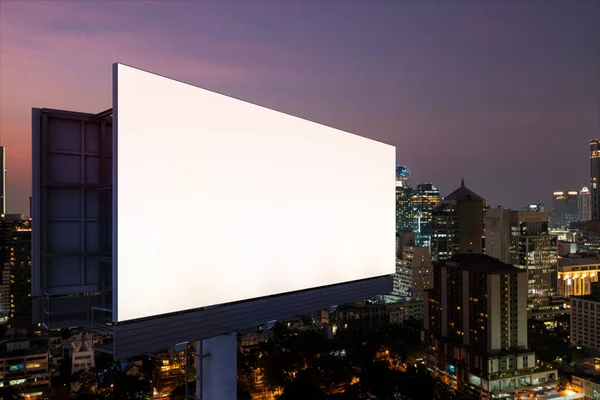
<point x="450" y="85"/>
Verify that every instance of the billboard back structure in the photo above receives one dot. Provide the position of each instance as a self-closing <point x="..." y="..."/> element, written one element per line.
<point x="205" y="211"/>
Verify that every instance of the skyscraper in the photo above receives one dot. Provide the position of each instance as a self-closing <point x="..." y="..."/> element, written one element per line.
<point x="404" y="209"/>
<point x="2" y="181"/>
<point x="585" y="204"/>
<point x="402" y="176"/>
<point x="475" y="328"/>
<point x="595" y="177"/>
<point x="564" y="209"/>
<point x="425" y="198"/>
<point x="538" y="254"/>
<point x="457" y="225"/>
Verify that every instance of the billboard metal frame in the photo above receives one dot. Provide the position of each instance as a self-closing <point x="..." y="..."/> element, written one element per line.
<point x="73" y="254"/>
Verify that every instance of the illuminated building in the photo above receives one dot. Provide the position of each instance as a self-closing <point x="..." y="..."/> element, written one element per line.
<point x="404" y="209"/>
<point x="475" y="329"/>
<point x="564" y="209"/>
<point x="536" y="207"/>
<point x="414" y="273"/>
<point x="15" y="268"/>
<point x="24" y="366"/>
<point x="585" y="204"/>
<point x="585" y="321"/>
<point x="576" y="275"/>
<point x="425" y="198"/>
<point x="457" y="225"/>
<point x="20" y="315"/>
<point x="595" y="177"/>
<point x="537" y="253"/>
<point x="402" y="176"/>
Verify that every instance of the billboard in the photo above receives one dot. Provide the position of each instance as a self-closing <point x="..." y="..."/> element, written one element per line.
<point x="216" y="200"/>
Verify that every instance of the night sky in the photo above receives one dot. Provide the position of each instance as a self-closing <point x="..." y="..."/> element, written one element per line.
<point x="505" y="94"/>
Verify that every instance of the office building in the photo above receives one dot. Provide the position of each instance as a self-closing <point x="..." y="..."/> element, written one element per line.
<point x="585" y="204"/>
<point x="404" y="209"/>
<point x="502" y="235"/>
<point x="536" y="207"/>
<point x="537" y="254"/>
<point x="403" y="239"/>
<point x="595" y="177"/>
<point x="425" y="198"/>
<point x="19" y="263"/>
<point x="585" y="321"/>
<point x="24" y="365"/>
<point x="457" y="225"/>
<point x="475" y="329"/>
<point x="414" y="273"/>
<point x="576" y="275"/>
<point x="402" y="176"/>
<point x="565" y="209"/>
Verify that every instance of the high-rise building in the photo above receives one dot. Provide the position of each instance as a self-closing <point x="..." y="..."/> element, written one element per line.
<point x="425" y="198"/>
<point x="402" y="176"/>
<point x="502" y="235"/>
<point x="595" y="177"/>
<point x="404" y="209"/>
<point x="585" y="204"/>
<point x="475" y="328"/>
<point x="2" y="181"/>
<point x="414" y="273"/>
<point x="538" y="254"/>
<point x="21" y="315"/>
<point x="536" y="207"/>
<point x="457" y="225"/>
<point x="522" y="239"/>
<point x="564" y="209"/>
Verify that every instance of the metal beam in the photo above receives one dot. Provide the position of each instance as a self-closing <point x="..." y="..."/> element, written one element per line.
<point x="101" y="115"/>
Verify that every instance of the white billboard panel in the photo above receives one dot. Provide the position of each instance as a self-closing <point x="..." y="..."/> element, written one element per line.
<point x="218" y="200"/>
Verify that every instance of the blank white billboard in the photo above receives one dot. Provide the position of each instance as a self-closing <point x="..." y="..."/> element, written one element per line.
<point x="218" y="200"/>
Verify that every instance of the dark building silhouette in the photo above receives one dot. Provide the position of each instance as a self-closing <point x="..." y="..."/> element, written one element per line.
<point x="595" y="177"/>
<point x="457" y="225"/>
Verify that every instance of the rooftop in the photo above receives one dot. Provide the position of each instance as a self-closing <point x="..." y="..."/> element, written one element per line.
<point x="481" y="263"/>
<point x="463" y="193"/>
<point x="570" y="261"/>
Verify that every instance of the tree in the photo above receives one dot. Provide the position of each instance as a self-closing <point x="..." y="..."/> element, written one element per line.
<point x="303" y="387"/>
<point x="278" y="368"/>
<point x="9" y="393"/>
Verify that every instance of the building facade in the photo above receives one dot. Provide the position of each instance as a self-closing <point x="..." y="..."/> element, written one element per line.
<point x="457" y="224"/>
<point x="595" y="177"/>
<point x="404" y="209"/>
<point x="585" y="321"/>
<point x="565" y="209"/>
<point x="585" y="204"/>
<point x="402" y="176"/>
<point x="414" y="273"/>
<point x="475" y="329"/>
<point x="425" y="198"/>
<point x="537" y="254"/>
<point x="24" y="366"/>
<point x="576" y="275"/>
<point x="502" y="235"/>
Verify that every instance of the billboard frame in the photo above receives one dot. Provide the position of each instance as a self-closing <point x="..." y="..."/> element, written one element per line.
<point x="94" y="303"/>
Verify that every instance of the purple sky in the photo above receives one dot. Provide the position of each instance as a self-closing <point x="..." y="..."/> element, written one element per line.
<point x="506" y="94"/>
